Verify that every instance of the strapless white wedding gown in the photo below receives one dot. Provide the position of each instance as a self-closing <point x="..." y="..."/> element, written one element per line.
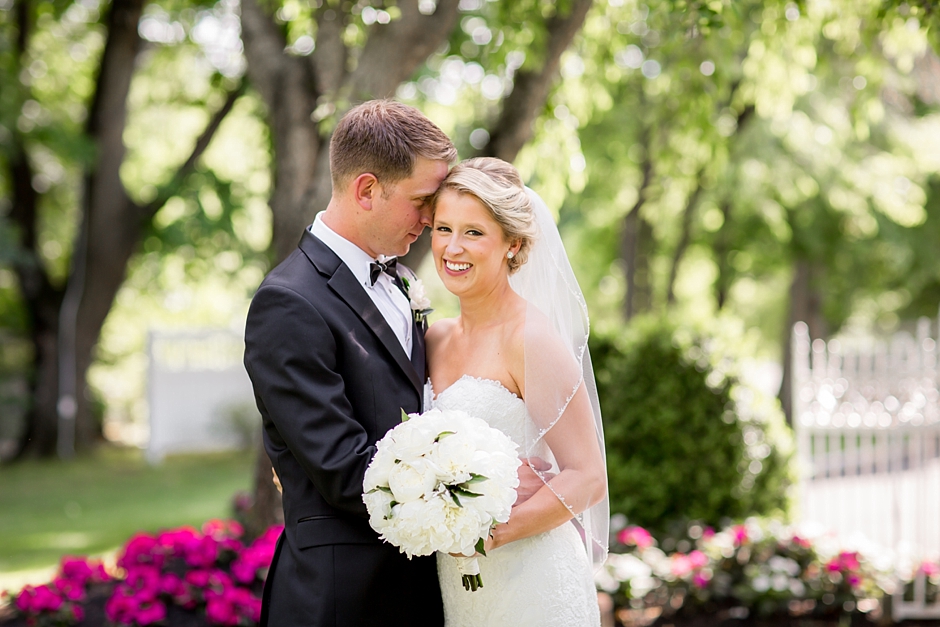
<point x="542" y="581"/>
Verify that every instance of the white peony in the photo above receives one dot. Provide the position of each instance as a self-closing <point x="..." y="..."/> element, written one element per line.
<point x="411" y="480"/>
<point x="379" y="469"/>
<point x="409" y="440"/>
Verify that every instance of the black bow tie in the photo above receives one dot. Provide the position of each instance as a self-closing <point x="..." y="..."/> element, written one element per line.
<point x="378" y="267"/>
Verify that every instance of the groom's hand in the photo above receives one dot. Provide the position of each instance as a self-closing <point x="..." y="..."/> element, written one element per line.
<point x="529" y="481"/>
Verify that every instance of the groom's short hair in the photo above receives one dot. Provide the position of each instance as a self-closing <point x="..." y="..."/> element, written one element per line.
<point x="385" y="138"/>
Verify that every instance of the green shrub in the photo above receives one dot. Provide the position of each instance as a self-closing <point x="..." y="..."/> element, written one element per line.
<point x="685" y="441"/>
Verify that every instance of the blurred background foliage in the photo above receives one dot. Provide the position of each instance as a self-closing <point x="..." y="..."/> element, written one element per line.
<point x="686" y="439"/>
<point x="729" y="166"/>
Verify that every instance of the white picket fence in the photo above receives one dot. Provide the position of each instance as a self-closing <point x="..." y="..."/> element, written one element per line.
<point x="867" y="421"/>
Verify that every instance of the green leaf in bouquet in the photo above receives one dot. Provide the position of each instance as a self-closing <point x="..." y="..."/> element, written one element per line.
<point x="480" y="546"/>
<point x="454" y="498"/>
<point x="475" y="478"/>
<point x="382" y="488"/>
<point x="442" y="435"/>
<point x="461" y="491"/>
<point x="404" y="416"/>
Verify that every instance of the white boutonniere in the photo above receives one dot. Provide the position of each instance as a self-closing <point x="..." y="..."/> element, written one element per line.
<point x="420" y="303"/>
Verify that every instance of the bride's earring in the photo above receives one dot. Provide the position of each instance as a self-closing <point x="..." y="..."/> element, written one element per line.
<point x="510" y="255"/>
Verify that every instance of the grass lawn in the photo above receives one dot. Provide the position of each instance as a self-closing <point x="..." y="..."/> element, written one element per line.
<point x="93" y="505"/>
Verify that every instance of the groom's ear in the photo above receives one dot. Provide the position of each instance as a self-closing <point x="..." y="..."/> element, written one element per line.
<point x="365" y="187"/>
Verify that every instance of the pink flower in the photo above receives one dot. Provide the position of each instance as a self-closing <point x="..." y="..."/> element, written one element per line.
<point x="24" y="600"/>
<point x="70" y="589"/>
<point x="698" y="559"/>
<point x="78" y="613"/>
<point x="680" y="565"/>
<point x="172" y="585"/>
<point x="143" y="578"/>
<point x="38" y="599"/>
<point x="141" y="549"/>
<point x="221" y="529"/>
<point x="99" y="574"/>
<point x="197" y="578"/>
<point x="708" y="533"/>
<point x="235" y="529"/>
<point x="231" y="544"/>
<point x="854" y="580"/>
<point x="220" y="612"/>
<point x="150" y="613"/>
<point x="700" y="580"/>
<point x="845" y="561"/>
<point x="635" y="536"/>
<point x="271" y="534"/>
<point x="850" y="561"/>
<point x="930" y="569"/>
<point x="177" y="542"/>
<point x="76" y="569"/>
<point x="801" y="542"/>
<point x="739" y="534"/>
<point x="120" y="605"/>
<point x="244" y="570"/>
<point x="202" y="553"/>
<point x="219" y="579"/>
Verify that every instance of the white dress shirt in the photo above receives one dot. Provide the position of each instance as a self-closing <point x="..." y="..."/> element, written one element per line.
<point x="392" y="304"/>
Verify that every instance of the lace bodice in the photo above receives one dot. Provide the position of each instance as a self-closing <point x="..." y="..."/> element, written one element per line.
<point x="486" y="399"/>
<point x="541" y="581"/>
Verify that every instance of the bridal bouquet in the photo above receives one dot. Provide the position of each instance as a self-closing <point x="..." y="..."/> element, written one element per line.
<point x="440" y="481"/>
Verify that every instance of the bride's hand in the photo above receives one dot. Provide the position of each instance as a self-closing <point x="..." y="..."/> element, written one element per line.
<point x="529" y="481"/>
<point x="488" y="544"/>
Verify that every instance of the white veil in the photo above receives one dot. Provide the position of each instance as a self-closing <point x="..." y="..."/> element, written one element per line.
<point x="554" y="395"/>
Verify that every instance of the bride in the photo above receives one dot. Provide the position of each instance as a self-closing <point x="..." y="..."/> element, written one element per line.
<point x="517" y="357"/>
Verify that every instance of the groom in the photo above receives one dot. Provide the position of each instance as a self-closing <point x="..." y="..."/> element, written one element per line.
<point x="334" y="355"/>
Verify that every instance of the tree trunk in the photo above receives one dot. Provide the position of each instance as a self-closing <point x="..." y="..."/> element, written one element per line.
<point x="522" y="106"/>
<point x="805" y="305"/>
<point x="635" y="239"/>
<point x="722" y="250"/>
<point x="635" y="245"/>
<point x="41" y="298"/>
<point x="685" y="235"/>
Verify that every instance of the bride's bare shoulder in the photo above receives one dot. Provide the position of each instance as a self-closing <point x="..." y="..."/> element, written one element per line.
<point x="543" y="340"/>
<point x="439" y="332"/>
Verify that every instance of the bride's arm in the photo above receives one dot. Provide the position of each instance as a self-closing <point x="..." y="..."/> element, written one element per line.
<point x="581" y="481"/>
<point x="582" y="478"/>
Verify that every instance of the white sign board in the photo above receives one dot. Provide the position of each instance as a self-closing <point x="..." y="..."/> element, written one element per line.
<point x="199" y="394"/>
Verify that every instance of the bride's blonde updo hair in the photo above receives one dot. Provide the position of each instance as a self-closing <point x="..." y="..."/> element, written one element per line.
<point x="499" y="187"/>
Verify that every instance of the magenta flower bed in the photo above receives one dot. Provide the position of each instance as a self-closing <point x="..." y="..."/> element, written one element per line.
<point x="180" y="577"/>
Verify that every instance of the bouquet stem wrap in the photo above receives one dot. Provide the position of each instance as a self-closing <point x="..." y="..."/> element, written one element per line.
<point x="469" y="568"/>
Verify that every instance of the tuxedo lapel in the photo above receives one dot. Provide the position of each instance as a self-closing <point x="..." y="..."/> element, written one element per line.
<point x="343" y="282"/>
<point x="417" y="348"/>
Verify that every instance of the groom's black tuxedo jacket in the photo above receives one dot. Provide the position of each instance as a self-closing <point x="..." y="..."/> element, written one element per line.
<point x="330" y="379"/>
